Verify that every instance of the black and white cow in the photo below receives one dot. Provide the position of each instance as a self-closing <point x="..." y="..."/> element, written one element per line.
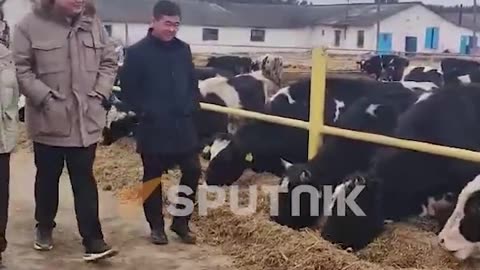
<point x="424" y="74"/>
<point x="267" y="143"/>
<point x="245" y="91"/>
<point x="121" y="121"/>
<point x="406" y="182"/>
<point x="386" y="67"/>
<point x="21" y="108"/>
<point x="461" y="233"/>
<point x="338" y="157"/>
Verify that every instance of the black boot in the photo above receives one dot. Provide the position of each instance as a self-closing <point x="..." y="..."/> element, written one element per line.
<point x="158" y="237"/>
<point x="180" y="227"/>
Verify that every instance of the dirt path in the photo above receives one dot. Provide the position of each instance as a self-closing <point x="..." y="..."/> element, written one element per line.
<point x="124" y="227"/>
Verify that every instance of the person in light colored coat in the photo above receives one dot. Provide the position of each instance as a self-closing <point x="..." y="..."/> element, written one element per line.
<point x="9" y="96"/>
<point x="66" y="65"/>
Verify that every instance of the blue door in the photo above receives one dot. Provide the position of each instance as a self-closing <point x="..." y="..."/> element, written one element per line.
<point x="464" y="45"/>
<point x="385" y="43"/>
<point x="410" y="46"/>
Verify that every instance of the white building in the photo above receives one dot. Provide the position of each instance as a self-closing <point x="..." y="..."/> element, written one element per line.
<point x="246" y="27"/>
<point x="215" y="28"/>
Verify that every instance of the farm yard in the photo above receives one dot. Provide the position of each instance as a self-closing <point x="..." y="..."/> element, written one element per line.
<point x="253" y="241"/>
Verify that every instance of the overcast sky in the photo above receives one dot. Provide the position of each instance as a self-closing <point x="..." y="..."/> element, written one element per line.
<point x="436" y="2"/>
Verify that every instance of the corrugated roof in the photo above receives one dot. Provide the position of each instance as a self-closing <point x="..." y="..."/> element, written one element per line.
<point x="466" y="21"/>
<point x="197" y="12"/>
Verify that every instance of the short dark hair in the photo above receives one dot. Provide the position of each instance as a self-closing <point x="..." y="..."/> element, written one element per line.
<point x="167" y="8"/>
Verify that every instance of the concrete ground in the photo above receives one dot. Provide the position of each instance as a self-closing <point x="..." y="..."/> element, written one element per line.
<point x="124" y="227"/>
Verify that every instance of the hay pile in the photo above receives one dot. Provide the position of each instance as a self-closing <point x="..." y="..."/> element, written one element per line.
<point x="258" y="243"/>
<point x="117" y="166"/>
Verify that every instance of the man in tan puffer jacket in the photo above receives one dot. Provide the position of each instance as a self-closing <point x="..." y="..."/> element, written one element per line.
<point x="66" y="65"/>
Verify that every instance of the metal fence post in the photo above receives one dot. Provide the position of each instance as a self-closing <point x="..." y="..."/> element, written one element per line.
<point x="317" y="100"/>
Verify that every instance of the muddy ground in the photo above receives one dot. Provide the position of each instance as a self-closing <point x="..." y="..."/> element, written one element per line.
<point x="124" y="227"/>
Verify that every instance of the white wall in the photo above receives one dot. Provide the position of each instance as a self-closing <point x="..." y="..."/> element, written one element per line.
<point x="325" y="36"/>
<point x="230" y="39"/>
<point x="413" y="22"/>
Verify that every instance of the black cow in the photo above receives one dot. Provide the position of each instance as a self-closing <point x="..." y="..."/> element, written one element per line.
<point x="461" y="233"/>
<point x="267" y="143"/>
<point x="457" y="71"/>
<point x="338" y="157"/>
<point x="384" y="67"/>
<point x="404" y="182"/>
<point x="234" y="64"/>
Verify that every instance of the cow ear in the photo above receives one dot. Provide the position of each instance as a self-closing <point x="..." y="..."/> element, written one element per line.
<point x="305" y="176"/>
<point x="286" y="164"/>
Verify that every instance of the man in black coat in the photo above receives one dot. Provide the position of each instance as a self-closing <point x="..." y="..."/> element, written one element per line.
<point x="159" y="84"/>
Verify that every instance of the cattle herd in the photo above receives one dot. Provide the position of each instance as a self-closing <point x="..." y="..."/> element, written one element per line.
<point x="439" y="105"/>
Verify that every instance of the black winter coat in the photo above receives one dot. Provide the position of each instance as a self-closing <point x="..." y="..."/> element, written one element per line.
<point x="159" y="84"/>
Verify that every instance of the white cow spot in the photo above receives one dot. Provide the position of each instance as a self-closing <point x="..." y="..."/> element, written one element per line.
<point x="426" y="86"/>
<point x="285" y="92"/>
<point x="220" y="87"/>
<point x="465" y="79"/>
<point x="423" y="96"/>
<point x="217" y="147"/>
<point x="371" y="109"/>
<point x="338" y="105"/>
<point x="338" y="190"/>
<point x="115" y="115"/>
<point x="21" y="101"/>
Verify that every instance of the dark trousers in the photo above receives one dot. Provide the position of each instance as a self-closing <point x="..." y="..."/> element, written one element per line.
<point x="49" y="161"/>
<point x="154" y="166"/>
<point x="4" y="197"/>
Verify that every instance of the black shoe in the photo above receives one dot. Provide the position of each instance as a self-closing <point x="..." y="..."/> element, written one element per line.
<point x="43" y="239"/>
<point x="98" y="250"/>
<point x="158" y="237"/>
<point x="182" y="230"/>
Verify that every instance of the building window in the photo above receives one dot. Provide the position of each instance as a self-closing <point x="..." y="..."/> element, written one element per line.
<point x="431" y="38"/>
<point x="360" y="38"/>
<point x="338" y="34"/>
<point x="257" y="35"/>
<point x="108" y="27"/>
<point x="210" y="34"/>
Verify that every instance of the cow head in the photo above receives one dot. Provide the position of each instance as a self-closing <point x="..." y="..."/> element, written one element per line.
<point x="354" y="225"/>
<point x="228" y="160"/>
<point x="119" y="124"/>
<point x="296" y="198"/>
<point x="271" y="67"/>
<point x="461" y="233"/>
<point x="372" y="67"/>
